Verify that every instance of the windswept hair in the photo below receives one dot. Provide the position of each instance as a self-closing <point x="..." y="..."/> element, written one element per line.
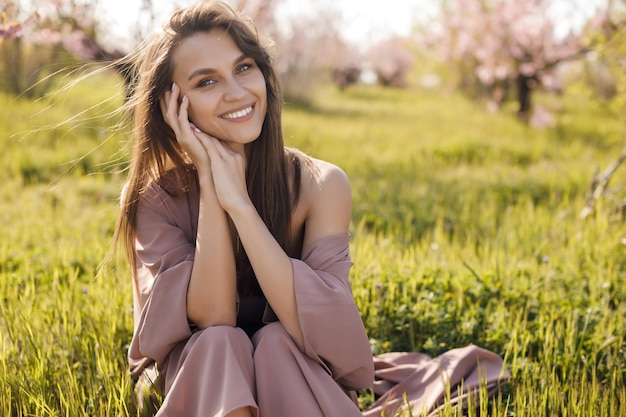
<point x="155" y="149"/>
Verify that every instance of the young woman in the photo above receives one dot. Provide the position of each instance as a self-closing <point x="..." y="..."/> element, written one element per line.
<point x="239" y="245"/>
<point x="239" y="248"/>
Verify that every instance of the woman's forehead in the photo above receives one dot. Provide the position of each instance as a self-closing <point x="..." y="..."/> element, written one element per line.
<point x="212" y="50"/>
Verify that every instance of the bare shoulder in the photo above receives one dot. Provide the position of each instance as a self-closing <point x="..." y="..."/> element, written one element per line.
<point x="322" y="180"/>
<point x="327" y="199"/>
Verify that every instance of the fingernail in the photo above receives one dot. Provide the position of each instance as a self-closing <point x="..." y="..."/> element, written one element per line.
<point x="185" y="98"/>
<point x="173" y="85"/>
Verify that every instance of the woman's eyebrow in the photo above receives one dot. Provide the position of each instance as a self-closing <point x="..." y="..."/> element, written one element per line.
<point x="207" y="71"/>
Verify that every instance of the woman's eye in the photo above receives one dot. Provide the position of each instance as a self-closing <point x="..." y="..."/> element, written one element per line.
<point x="244" y="67"/>
<point x="206" y="82"/>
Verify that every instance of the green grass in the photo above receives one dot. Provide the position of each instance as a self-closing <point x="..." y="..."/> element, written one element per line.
<point x="466" y="229"/>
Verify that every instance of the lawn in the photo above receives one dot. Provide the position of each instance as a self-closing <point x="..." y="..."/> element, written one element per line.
<point x="466" y="229"/>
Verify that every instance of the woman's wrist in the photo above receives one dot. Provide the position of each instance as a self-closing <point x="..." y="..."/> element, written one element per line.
<point x="205" y="181"/>
<point x="243" y="211"/>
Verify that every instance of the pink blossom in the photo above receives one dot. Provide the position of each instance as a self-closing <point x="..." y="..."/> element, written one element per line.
<point x="14" y="29"/>
<point x="506" y="41"/>
<point x="79" y="44"/>
<point x="45" y="37"/>
<point x="11" y="31"/>
<point x="391" y="61"/>
<point x="527" y="68"/>
<point x="485" y="74"/>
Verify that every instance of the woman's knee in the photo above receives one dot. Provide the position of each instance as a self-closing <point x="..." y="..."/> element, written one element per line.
<point x="214" y="350"/>
<point x="221" y="336"/>
<point x="215" y="341"/>
<point x="272" y="339"/>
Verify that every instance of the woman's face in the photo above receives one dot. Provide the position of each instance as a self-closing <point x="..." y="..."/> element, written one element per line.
<point x="226" y="89"/>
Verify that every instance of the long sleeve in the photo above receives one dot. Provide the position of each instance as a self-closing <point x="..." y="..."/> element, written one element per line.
<point x="165" y="248"/>
<point x="333" y="331"/>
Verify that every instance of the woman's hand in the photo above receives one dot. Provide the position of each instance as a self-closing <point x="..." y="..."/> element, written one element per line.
<point x="229" y="173"/>
<point x="177" y="117"/>
<point x="211" y="156"/>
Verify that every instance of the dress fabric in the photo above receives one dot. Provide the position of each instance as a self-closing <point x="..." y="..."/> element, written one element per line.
<point x="416" y="381"/>
<point x="214" y="371"/>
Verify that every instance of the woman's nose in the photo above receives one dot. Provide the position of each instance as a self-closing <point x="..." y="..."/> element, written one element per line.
<point x="234" y="90"/>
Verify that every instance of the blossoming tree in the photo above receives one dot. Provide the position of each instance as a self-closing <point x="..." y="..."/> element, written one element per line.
<point x="497" y="45"/>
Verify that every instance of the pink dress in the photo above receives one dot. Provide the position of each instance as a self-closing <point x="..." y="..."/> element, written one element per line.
<point x="214" y="371"/>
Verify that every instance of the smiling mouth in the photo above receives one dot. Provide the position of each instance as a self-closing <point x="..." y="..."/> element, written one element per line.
<point x="238" y="114"/>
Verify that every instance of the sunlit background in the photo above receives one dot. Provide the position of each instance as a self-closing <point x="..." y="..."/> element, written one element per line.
<point x="484" y="140"/>
<point x="492" y="50"/>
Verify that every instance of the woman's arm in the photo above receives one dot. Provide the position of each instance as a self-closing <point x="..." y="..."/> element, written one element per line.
<point x="212" y="291"/>
<point x="331" y="324"/>
<point x="327" y="197"/>
<point x="328" y="215"/>
<point x="312" y="296"/>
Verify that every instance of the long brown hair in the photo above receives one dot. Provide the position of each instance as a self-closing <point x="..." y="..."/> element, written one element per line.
<point x="155" y="149"/>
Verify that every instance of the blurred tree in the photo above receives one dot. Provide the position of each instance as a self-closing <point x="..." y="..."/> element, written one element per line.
<point x="62" y="33"/>
<point x="13" y="24"/>
<point x="310" y="50"/>
<point x="262" y="12"/>
<point x="391" y="61"/>
<point x="498" y="45"/>
<point x="346" y="76"/>
<point x="10" y="24"/>
<point x="308" y="45"/>
<point x="610" y="52"/>
<point x="55" y="36"/>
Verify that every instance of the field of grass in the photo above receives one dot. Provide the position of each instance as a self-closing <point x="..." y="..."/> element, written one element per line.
<point x="466" y="229"/>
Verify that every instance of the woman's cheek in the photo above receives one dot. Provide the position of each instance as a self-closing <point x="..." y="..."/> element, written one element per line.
<point x="191" y="115"/>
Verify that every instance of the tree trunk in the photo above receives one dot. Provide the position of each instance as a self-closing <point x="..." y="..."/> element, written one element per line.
<point x="525" y="86"/>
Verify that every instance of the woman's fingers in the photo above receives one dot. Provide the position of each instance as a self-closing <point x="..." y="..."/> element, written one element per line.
<point x="183" y="115"/>
<point x="169" y="108"/>
<point x="217" y="148"/>
<point x="226" y="160"/>
<point x="211" y="144"/>
<point x="177" y="117"/>
<point x="201" y="147"/>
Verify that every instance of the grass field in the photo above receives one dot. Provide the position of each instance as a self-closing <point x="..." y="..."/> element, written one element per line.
<point x="466" y="229"/>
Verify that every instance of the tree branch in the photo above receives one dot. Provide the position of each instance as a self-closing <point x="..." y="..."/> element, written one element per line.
<point x="599" y="183"/>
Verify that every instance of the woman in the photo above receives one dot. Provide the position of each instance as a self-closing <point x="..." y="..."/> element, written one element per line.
<point x="239" y="246"/>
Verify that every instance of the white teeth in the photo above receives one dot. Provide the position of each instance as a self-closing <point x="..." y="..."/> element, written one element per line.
<point x="238" y="114"/>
